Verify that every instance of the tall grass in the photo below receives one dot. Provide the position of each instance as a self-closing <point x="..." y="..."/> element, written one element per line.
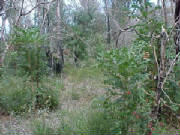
<point x="85" y="121"/>
<point x="18" y="95"/>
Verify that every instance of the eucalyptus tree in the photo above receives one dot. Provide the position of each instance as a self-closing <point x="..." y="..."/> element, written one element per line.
<point x="59" y="48"/>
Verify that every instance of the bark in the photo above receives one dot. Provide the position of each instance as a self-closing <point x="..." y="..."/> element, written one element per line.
<point x="45" y="18"/>
<point x="177" y="10"/>
<point x="59" y="36"/>
<point x="165" y="13"/>
<point x="1" y="5"/>
<point x="108" y="30"/>
<point x="161" y="73"/>
<point x="108" y="22"/>
<point x="2" y="32"/>
<point x="172" y="7"/>
<point x="2" y="57"/>
<point x="177" y="27"/>
<point x="55" y="55"/>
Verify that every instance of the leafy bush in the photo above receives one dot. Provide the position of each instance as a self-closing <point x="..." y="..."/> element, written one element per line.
<point x="19" y="96"/>
<point x="97" y="46"/>
<point x="28" y="59"/>
<point x="76" y="44"/>
<point x="28" y="56"/>
<point x="127" y="103"/>
<point x="47" y="98"/>
<point x="15" y="96"/>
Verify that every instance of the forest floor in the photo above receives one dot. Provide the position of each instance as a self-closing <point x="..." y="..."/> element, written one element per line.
<point x="79" y="86"/>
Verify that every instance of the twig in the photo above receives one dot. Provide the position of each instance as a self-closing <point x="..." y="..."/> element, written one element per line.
<point x="20" y="12"/>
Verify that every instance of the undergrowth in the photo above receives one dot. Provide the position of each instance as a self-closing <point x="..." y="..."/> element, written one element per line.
<point x="18" y="95"/>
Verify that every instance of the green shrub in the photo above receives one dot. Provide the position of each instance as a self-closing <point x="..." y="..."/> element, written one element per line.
<point x="76" y="44"/>
<point x="28" y="56"/>
<point x="19" y="96"/>
<point x="15" y="96"/>
<point x="27" y="60"/>
<point x="96" y="120"/>
<point x="47" y="98"/>
<point x="127" y="103"/>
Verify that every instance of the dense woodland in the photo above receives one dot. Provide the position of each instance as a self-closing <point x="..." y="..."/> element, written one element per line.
<point x="89" y="67"/>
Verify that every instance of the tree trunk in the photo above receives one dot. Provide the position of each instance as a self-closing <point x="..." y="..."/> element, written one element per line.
<point x="108" y="30"/>
<point x="58" y="40"/>
<point x="108" y="22"/>
<point x="177" y="27"/>
<point x="161" y="75"/>
<point x="172" y="7"/>
<point x="2" y="39"/>
<point x="165" y="13"/>
<point x="1" y="5"/>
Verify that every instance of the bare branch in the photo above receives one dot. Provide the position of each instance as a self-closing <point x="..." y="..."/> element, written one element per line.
<point x="20" y="12"/>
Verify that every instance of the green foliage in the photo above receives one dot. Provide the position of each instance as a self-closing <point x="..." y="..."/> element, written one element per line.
<point x="97" y="45"/>
<point x="28" y="56"/>
<point x="76" y="43"/>
<point x="127" y="103"/>
<point x="47" y="98"/>
<point x="84" y="24"/>
<point x="28" y="61"/>
<point x="15" y="96"/>
<point x="48" y="94"/>
<point x="19" y="96"/>
<point x="87" y="70"/>
<point x="98" y="120"/>
<point x="91" y="121"/>
<point x="130" y="73"/>
<point x="94" y="120"/>
<point x="40" y="127"/>
<point x="83" y="18"/>
<point x="83" y="29"/>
